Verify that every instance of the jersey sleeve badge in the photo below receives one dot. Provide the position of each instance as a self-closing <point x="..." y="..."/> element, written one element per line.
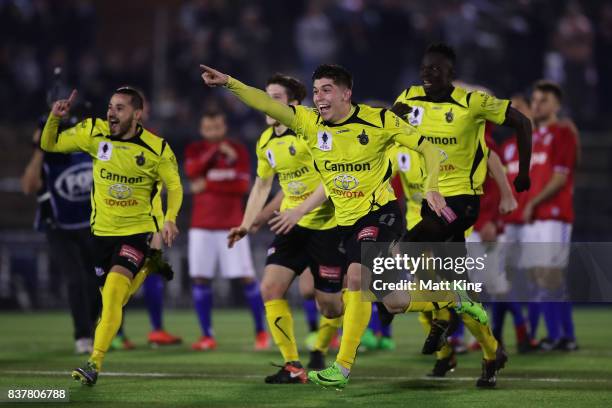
<point x="105" y="150"/>
<point x="324" y="140"/>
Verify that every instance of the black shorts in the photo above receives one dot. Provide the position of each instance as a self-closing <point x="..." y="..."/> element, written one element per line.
<point x="383" y="225"/>
<point x="127" y="251"/>
<point x="433" y="228"/>
<point x="317" y="249"/>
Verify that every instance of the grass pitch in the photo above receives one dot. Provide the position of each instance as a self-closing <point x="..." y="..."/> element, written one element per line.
<point x="36" y="351"/>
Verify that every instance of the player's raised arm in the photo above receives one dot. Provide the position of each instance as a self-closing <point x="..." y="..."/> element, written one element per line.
<point x="253" y="97"/>
<point x="50" y="141"/>
<point x="522" y="126"/>
<point x="257" y="200"/>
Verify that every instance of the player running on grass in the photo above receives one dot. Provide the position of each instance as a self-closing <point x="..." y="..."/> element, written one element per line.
<point x="348" y="144"/>
<point x="454" y="119"/>
<point x="313" y="242"/>
<point x="128" y="161"/>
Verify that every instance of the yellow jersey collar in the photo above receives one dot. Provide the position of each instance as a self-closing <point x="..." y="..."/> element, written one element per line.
<point x="458" y="96"/>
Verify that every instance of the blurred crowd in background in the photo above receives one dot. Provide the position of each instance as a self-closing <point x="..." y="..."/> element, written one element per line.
<point x="504" y="46"/>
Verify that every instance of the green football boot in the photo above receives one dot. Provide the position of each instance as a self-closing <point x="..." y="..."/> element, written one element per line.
<point x="331" y="377"/>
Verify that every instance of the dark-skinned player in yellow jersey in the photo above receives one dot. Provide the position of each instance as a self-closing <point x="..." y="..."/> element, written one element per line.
<point x="454" y="120"/>
<point x="348" y="144"/>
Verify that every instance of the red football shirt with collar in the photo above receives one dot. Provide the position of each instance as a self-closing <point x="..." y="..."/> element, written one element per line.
<point x="554" y="151"/>
<point x="220" y="205"/>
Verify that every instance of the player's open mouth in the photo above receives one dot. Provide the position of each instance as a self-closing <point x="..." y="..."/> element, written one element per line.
<point x="113" y="122"/>
<point x="427" y="83"/>
<point x="323" y="108"/>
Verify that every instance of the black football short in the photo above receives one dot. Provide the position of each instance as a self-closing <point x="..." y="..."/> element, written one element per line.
<point x="384" y="225"/>
<point x="433" y="228"/>
<point x="128" y="251"/>
<point x="317" y="249"/>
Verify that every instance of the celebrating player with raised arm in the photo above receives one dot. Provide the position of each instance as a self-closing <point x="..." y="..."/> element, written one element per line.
<point x="311" y="243"/>
<point x="348" y="144"/>
<point x="128" y="161"/>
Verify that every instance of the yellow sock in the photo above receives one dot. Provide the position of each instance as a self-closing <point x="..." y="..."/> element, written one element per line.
<point x="356" y="318"/>
<point x="139" y="279"/>
<point x="425" y="320"/>
<point x="483" y="334"/>
<point x="446" y="350"/>
<point x="327" y="329"/>
<point x="442" y="314"/>
<point x="115" y="290"/>
<point x="420" y="301"/>
<point x="280" y="322"/>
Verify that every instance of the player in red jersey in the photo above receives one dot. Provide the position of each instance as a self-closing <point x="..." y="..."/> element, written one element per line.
<point x="219" y="172"/>
<point x="549" y="212"/>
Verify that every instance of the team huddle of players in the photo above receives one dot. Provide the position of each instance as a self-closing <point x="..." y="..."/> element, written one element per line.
<point x="334" y="163"/>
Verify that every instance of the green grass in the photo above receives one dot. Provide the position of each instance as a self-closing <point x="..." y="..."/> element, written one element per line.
<point x="232" y="375"/>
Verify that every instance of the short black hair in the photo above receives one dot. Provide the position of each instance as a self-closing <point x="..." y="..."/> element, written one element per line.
<point x="136" y="97"/>
<point x="444" y="49"/>
<point x="549" y="87"/>
<point x="213" y="111"/>
<point x="296" y="91"/>
<point x="336" y="73"/>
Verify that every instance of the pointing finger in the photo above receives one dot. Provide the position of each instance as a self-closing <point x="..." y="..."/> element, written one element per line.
<point x="72" y="96"/>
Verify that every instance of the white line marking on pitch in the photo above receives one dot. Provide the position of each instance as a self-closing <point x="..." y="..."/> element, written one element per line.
<point x="250" y="376"/>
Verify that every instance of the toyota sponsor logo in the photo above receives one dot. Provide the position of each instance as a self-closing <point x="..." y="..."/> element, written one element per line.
<point x="345" y="182"/>
<point x="120" y="191"/>
<point x="296" y="187"/>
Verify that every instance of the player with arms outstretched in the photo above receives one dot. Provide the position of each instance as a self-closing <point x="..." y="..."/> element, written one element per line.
<point x="348" y="144"/>
<point x="306" y="238"/>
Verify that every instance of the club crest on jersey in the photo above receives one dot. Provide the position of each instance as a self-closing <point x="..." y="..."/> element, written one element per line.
<point x="140" y="159"/>
<point x="404" y="161"/>
<point x="324" y="140"/>
<point x="363" y="138"/>
<point x="105" y="150"/>
<point x="415" y="117"/>
<point x="292" y="150"/>
<point x="449" y="116"/>
<point x="270" y="157"/>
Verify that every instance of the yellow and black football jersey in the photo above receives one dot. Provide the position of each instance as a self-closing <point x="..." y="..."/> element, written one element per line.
<point x="287" y="156"/>
<point x="408" y="164"/>
<point x="456" y="126"/>
<point x="352" y="158"/>
<point x="126" y="175"/>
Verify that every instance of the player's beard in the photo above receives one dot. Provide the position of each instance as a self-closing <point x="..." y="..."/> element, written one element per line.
<point x="124" y="127"/>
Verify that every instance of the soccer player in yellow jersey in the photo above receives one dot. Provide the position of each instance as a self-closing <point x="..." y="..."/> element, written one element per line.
<point x="312" y="242"/>
<point x="348" y="144"/>
<point x="454" y="119"/>
<point x="128" y="161"/>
